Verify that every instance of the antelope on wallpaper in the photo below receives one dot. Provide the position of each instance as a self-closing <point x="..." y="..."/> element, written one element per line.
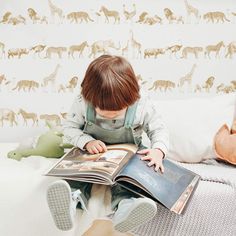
<point x="129" y="15"/>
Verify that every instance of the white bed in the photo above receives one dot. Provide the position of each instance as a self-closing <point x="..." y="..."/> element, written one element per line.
<point x="24" y="212"/>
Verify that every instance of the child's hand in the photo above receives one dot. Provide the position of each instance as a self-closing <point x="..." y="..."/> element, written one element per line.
<point x="95" y="146"/>
<point x="155" y="156"/>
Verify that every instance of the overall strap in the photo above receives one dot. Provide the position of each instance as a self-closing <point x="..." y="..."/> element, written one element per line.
<point x="90" y="113"/>
<point x="130" y="115"/>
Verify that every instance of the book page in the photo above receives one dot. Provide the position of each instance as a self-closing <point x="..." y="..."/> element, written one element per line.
<point x="172" y="188"/>
<point x="83" y="165"/>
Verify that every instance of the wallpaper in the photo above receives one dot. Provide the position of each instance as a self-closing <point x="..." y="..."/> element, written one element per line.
<point x="178" y="49"/>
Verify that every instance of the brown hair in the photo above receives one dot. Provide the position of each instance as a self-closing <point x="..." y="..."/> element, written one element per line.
<point x="110" y="83"/>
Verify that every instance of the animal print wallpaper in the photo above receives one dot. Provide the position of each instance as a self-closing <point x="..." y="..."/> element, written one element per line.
<point x="178" y="48"/>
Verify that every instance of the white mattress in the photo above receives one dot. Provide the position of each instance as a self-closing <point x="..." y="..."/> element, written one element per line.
<point x="24" y="211"/>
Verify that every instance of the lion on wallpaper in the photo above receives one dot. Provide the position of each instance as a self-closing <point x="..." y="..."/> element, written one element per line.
<point x="171" y="17"/>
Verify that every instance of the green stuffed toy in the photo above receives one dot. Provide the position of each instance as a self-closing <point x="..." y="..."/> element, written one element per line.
<point x="49" y="144"/>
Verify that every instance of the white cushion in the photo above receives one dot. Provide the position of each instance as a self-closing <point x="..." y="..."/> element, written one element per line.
<point x="193" y="123"/>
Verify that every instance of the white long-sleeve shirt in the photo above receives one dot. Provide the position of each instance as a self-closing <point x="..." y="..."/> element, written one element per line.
<point x="147" y="116"/>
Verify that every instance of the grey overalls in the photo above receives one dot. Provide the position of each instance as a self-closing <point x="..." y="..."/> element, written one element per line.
<point x="125" y="134"/>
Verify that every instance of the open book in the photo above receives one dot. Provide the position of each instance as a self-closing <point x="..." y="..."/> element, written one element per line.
<point x="122" y="165"/>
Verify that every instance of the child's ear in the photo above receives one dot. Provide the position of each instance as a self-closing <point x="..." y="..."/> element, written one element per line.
<point x="225" y="145"/>
<point x="233" y="128"/>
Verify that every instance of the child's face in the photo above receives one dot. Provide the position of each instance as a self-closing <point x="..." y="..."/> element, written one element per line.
<point x="110" y="114"/>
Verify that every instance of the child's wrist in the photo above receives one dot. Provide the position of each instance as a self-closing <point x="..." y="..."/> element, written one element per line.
<point x="163" y="154"/>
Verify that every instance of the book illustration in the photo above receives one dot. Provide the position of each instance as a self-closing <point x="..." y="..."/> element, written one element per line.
<point x="77" y="162"/>
<point x="120" y="164"/>
<point x="172" y="189"/>
<point x="109" y="168"/>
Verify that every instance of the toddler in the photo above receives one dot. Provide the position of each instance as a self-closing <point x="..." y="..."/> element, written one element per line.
<point x="110" y="110"/>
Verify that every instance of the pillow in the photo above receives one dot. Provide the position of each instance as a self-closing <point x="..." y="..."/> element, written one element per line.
<point x="225" y="145"/>
<point x="193" y="123"/>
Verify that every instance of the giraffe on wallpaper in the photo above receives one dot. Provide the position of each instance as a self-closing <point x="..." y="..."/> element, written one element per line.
<point x="2" y="49"/>
<point x="135" y="45"/>
<point x="191" y="10"/>
<point x="2" y="80"/>
<point x="54" y="10"/>
<point x="51" y="78"/>
<point x="187" y="78"/>
<point x="129" y="15"/>
<point x="125" y="49"/>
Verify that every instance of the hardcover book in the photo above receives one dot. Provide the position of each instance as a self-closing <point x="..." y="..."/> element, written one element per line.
<point x="120" y="164"/>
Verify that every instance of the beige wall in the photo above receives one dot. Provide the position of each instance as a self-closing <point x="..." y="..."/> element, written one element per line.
<point x="177" y="53"/>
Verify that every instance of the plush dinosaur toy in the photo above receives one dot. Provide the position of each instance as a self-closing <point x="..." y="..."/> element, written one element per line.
<point x="49" y="144"/>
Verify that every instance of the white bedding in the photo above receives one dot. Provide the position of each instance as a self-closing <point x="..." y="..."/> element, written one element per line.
<point x="23" y="206"/>
<point x="24" y="211"/>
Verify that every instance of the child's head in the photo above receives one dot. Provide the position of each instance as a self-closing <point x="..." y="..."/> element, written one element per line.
<point x="110" y="83"/>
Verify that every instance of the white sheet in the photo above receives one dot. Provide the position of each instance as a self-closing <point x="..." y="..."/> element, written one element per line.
<point x="24" y="211"/>
<point x="23" y="206"/>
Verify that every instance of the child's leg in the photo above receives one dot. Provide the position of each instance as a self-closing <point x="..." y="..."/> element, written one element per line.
<point x="62" y="202"/>
<point x="119" y="193"/>
<point x="132" y="210"/>
<point x="85" y="189"/>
